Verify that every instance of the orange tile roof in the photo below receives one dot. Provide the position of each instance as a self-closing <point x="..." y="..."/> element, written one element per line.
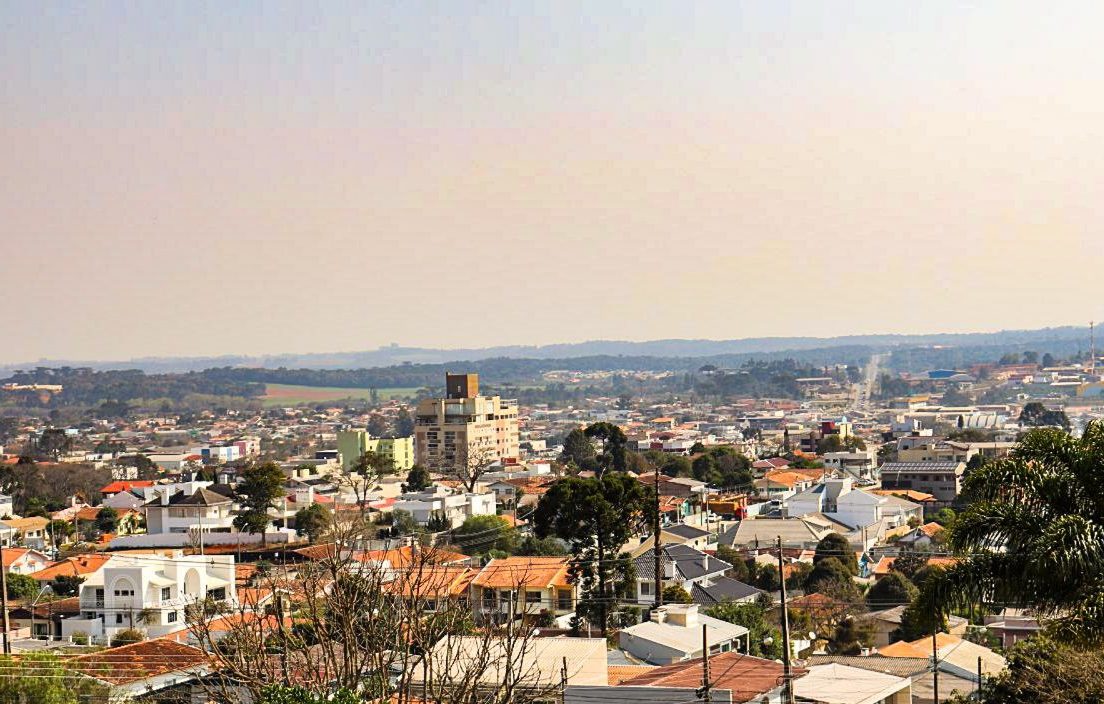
<point x="32" y="523"/>
<point x="619" y="673"/>
<point x="139" y="661"/>
<point x="510" y="572"/>
<point x="116" y="487"/>
<point x="786" y="478"/>
<point x="748" y="677"/>
<point x="910" y="494"/>
<point x="885" y="564"/>
<point x="931" y="529"/>
<point x="71" y="566"/>
<point x="919" y="648"/>
<point x="406" y="556"/>
<point x="12" y="555"/>
<point x="438" y="581"/>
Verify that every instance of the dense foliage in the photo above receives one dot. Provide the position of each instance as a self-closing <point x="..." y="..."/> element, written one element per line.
<point x="1032" y="534"/>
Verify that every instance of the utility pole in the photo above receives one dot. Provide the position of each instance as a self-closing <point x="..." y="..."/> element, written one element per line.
<point x="979" y="692"/>
<point x="787" y="653"/>
<point x="658" y="548"/>
<point x="4" y="602"/>
<point x="935" y="664"/>
<point x="706" y="694"/>
<point x="563" y="680"/>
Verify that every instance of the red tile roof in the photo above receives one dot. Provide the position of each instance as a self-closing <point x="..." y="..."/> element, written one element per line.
<point x="747" y="677"/>
<point x="116" y="487"/>
<point x="140" y="661"/>
<point x="79" y="565"/>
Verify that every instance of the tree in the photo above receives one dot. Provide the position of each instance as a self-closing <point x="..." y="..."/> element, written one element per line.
<point x="1035" y="414"/>
<point x="1041" y="670"/>
<point x="107" y="520"/>
<point x="918" y="621"/>
<point x="418" y="479"/>
<point x="831" y="578"/>
<point x="836" y="546"/>
<point x="66" y="585"/>
<point x="404" y="423"/>
<point x="909" y="563"/>
<point x="739" y="569"/>
<point x="20" y="586"/>
<point x="704" y="469"/>
<point x="595" y="517"/>
<point x="766" y="578"/>
<point x="676" y="594"/>
<point x="262" y="483"/>
<point x="851" y="636"/>
<point x="481" y="534"/>
<point x="45" y="678"/>
<point x="533" y="546"/>
<point x="612" y="456"/>
<point x="891" y="590"/>
<point x="577" y="448"/>
<point x="798" y="574"/>
<point x="377" y="426"/>
<point x="127" y="636"/>
<point x="313" y="521"/>
<point x="1048" y="360"/>
<point x="764" y="640"/>
<point x="1043" y="506"/>
<point x="944" y="517"/>
<point x="52" y="443"/>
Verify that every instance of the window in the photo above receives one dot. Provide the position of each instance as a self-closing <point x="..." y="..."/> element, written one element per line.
<point x="431" y="605"/>
<point x="563" y="600"/>
<point x="170" y="617"/>
<point x="124" y="592"/>
<point x="118" y="618"/>
<point x="166" y="593"/>
<point x="646" y="588"/>
<point x="217" y="594"/>
<point x="532" y="597"/>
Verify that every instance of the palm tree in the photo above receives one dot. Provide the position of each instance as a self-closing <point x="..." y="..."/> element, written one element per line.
<point x="1033" y="535"/>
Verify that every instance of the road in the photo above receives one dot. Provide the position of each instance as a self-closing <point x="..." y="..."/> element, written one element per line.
<point x="865" y="389"/>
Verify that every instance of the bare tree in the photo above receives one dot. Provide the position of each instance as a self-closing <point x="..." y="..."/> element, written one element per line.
<point x="467" y="465"/>
<point x="380" y="625"/>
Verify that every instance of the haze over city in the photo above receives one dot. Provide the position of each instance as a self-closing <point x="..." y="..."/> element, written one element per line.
<point x="200" y="179"/>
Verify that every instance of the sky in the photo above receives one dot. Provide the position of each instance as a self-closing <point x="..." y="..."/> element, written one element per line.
<point x="204" y="178"/>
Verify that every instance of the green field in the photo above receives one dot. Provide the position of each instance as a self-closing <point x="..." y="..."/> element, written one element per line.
<point x="277" y="395"/>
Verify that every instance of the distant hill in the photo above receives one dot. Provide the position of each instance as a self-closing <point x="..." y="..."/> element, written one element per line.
<point x="1068" y="336"/>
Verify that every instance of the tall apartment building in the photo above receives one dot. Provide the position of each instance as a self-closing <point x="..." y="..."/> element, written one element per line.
<point x="351" y="444"/>
<point x="465" y="426"/>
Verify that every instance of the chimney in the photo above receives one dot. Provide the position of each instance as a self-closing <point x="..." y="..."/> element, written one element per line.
<point x="669" y="569"/>
<point x="705" y="561"/>
<point x="165" y="496"/>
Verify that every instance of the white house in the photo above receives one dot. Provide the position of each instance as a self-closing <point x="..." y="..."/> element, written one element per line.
<point x="24" y="561"/>
<point x="174" y="511"/>
<point x="150" y="592"/>
<point x="455" y="508"/>
<point x="674" y="633"/>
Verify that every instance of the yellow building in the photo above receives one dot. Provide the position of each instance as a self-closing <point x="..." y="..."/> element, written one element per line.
<point x="352" y="444"/>
<point x="465" y="427"/>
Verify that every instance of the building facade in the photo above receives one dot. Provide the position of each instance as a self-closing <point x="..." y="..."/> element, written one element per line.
<point x="352" y="444"/>
<point x="465" y="427"/>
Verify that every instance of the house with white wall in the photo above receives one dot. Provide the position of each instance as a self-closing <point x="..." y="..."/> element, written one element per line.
<point x="150" y="592"/>
<point x="440" y="501"/>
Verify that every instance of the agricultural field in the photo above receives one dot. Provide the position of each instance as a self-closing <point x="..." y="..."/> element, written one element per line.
<point x="278" y="395"/>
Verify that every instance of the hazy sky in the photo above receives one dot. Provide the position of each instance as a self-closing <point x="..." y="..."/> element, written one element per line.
<point x="207" y="178"/>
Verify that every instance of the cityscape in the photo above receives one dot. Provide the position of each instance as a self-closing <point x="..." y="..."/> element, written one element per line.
<point x="551" y="353"/>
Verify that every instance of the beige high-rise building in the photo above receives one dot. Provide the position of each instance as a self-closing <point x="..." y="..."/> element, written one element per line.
<point x="465" y="427"/>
